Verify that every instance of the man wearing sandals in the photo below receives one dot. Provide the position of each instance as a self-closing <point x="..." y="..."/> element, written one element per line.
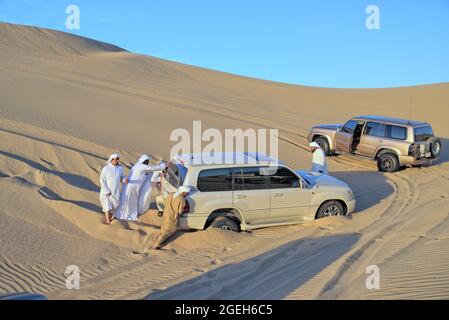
<point x="111" y="178"/>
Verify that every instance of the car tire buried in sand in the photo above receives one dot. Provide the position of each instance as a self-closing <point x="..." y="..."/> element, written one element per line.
<point x="324" y="144"/>
<point x="329" y="209"/>
<point x="225" y="223"/>
<point x="435" y="146"/>
<point x="388" y="162"/>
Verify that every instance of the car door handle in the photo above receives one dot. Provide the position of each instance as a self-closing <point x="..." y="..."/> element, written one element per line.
<point x="240" y="196"/>
<point x="278" y="194"/>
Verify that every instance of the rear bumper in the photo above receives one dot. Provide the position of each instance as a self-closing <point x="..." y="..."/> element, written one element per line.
<point x="186" y="221"/>
<point x="411" y="161"/>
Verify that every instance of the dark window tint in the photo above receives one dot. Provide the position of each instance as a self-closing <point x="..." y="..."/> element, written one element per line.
<point x="396" y="132"/>
<point x="249" y="178"/>
<point x="375" y="129"/>
<point x="283" y="178"/>
<point x="350" y="126"/>
<point x="175" y="174"/>
<point x="423" y="133"/>
<point x="215" y="180"/>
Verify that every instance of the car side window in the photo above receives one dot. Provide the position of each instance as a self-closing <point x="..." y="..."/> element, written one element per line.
<point x="250" y="178"/>
<point x="283" y="178"/>
<point x="215" y="180"/>
<point x="423" y="133"/>
<point x="396" y="132"/>
<point x="349" y="126"/>
<point x="375" y="129"/>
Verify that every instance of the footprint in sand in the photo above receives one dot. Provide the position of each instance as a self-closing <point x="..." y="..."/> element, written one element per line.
<point x="47" y="162"/>
<point x="227" y="249"/>
<point x="216" y="261"/>
<point x="141" y="254"/>
<point x="201" y="269"/>
<point x="142" y="233"/>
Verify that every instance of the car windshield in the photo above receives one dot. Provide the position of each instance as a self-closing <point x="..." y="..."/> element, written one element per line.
<point x="423" y="133"/>
<point x="350" y="126"/>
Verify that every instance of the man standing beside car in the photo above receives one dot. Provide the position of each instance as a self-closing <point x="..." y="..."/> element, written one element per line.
<point x="173" y="208"/>
<point x="319" y="164"/>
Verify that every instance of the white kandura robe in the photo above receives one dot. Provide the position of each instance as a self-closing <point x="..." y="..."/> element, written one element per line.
<point x="145" y="191"/>
<point x="129" y="206"/>
<point x="319" y="163"/>
<point x="157" y="176"/>
<point x="110" y="182"/>
<point x="145" y="194"/>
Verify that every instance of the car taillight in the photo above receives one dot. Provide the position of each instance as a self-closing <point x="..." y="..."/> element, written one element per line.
<point x="186" y="208"/>
<point x="411" y="149"/>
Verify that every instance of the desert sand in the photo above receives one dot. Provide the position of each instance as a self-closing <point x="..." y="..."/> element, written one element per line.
<point x="67" y="102"/>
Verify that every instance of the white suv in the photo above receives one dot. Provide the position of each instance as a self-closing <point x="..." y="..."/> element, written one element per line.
<point x="251" y="190"/>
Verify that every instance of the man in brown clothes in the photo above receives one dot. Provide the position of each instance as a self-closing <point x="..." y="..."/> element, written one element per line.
<point x="174" y="206"/>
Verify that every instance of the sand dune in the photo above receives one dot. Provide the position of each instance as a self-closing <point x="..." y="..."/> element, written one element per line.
<point x="67" y="102"/>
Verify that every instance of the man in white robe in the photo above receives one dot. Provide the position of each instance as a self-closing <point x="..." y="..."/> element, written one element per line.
<point x="111" y="178"/>
<point x="319" y="164"/>
<point x="157" y="175"/>
<point x="152" y="178"/>
<point x="129" y="205"/>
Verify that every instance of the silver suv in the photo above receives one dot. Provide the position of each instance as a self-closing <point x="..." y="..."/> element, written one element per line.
<point x="391" y="142"/>
<point x="251" y="190"/>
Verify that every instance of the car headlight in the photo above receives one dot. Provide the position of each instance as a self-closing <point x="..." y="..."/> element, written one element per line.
<point x="350" y="193"/>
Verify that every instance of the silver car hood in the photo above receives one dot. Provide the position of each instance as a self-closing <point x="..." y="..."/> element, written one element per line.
<point x="321" y="179"/>
<point x="328" y="126"/>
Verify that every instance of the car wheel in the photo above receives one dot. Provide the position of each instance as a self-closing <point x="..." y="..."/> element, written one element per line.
<point x="225" y="223"/>
<point x="324" y="144"/>
<point x="329" y="209"/>
<point x="388" y="162"/>
<point x="435" y="146"/>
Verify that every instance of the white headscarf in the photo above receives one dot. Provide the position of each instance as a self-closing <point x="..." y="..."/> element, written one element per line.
<point x="182" y="189"/>
<point x="314" y="145"/>
<point x="143" y="158"/>
<point x="112" y="156"/>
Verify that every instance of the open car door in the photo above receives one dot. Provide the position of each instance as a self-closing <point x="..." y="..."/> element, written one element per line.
<point x="343" y="137"/>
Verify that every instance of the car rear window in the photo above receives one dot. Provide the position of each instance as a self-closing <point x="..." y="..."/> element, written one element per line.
<point x="175" y="174"/>
<point x="215" y="180"/>
<point x="423" y="133"/>
<point x="396" y="132"/>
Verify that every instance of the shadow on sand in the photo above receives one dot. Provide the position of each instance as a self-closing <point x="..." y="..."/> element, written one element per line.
<point x="51" y="195"/>
<point x="70" y="178"/>
<point x="271" y="275"/>
<point x="444" y="155"/>
<point x="127" y="165"/>
<point x="369" y="187"/>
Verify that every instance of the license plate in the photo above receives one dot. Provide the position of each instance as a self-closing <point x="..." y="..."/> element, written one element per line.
<point x="428" y="154"/>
